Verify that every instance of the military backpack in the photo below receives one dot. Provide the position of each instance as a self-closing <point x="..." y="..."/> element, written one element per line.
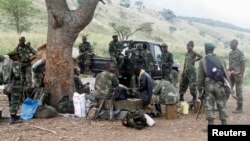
<point x="135" y="119"/>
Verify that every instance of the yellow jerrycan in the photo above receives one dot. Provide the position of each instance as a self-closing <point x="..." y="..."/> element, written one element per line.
<point x="184" y="108"/>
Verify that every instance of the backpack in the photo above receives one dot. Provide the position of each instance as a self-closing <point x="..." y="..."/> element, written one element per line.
<point x="213" y="71"/>
<point x="135" y="119"/>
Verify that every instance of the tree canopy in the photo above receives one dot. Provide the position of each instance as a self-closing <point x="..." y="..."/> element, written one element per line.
<point x="19" y="13"/>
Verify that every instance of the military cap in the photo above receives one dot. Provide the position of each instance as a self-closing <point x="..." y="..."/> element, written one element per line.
<point x="115" y="36"/>
<point x="209" y="45"/>
<point x="164" y="45"/>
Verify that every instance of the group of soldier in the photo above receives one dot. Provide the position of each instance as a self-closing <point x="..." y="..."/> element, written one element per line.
<point x="212" y="75"/>
<point x="215" y="80"/>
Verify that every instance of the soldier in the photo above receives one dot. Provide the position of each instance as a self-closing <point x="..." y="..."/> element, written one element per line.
<point x="138" y="57"/>
<point x="149" y="60"/>
<point x="145" y="86"/>
<point x="189" y="77"/>
<point x="105" y="83"/>
<point x="25" y="53"/>
<point x="236" y="71"/>
<point x="79" y="86"/>
<point x="115" y="49"/>
<point x="212" y="74"/>
<point x="167" y="62"/>
<point x="16" y="92"/>
<point x="164" y="93"/>
<point x="85" y="54"/>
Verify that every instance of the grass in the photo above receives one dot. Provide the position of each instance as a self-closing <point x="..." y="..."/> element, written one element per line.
<point x="100" y="32"/>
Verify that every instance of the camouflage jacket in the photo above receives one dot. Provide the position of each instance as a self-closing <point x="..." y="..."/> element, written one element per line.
<point x="115" y="49"/>
<point x="149" y="61"/>
<point x="236" y="58"/>
<point x="85" y="47"/>
<point x="138" y="58"/>
<point x="167" y="92"/>
<point x="218" y="61"/>
<point x="167" y="60"/>
<point x="25" y="53"/>
<point x="190" y="59"/>
<point x="16" y="74"/>
<point x="105" y="84"/>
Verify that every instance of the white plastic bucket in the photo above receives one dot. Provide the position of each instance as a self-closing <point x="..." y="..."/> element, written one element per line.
<point x="79" y="105"/>
<point x="150" y="121"/>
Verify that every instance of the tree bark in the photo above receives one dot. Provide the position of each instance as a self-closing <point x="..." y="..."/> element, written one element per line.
<point x="64" y="27"/>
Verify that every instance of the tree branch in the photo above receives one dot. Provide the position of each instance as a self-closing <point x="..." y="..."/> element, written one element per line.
<point x="85" y="13"/>
<point x="57" y="9"/>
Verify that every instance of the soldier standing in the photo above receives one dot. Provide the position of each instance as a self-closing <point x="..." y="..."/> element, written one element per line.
<point x="167" y="62"/>
<point x="16" y="92"/>
<point x="139" y="57"/>
<point x="212" y="74"/>
<point x="189" y="77"/>
<point x="25" y="54"/>
<point x="236" y="71"/>
<point x="115" y="49"/>
<point x="149" y="60"/>
<point x="85" y="54"/>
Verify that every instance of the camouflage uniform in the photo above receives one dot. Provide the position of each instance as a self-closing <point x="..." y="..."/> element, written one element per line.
<point x="105" y="84"/>
<point x="167" y="62"/>
<point x="236" y="58"/>
<point x="149" y="61"/>
<point x="85" y="51"/>
<point x="24" y="55"/>
<point x="17" y="91"/>
<point x="138" y="58"/>
<point x="189" y="77"/>
<point x="115" y="49"/>
<point x="167" y="93"/>
<point x="214" y="91"/>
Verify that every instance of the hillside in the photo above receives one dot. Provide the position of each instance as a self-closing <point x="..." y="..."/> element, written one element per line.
<point x="100" y="32"/>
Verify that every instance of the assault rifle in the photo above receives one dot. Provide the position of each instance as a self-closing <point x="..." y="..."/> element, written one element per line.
<point x="200" y="105"/>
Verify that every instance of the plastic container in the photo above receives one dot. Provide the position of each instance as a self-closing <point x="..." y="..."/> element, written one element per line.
<point x="184" y="108"/>
<point x="150" y="121"/>
<point x="79" y="105"/>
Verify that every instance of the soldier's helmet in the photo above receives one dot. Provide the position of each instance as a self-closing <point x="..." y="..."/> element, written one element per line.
<point x="84" y="38"/>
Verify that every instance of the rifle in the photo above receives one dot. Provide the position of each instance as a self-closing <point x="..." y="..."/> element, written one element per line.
<point x="102" y="2"/>
<point x="200" y="105"/>
<point x="99" y="109"/>
<point x="227" y="84"/>
<point x="111" y="108"/>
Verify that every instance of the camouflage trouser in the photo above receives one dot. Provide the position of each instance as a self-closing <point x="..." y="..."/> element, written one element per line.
<point x="166" y="74"/>
<point x="16" y="97"/>
<point x="27" y="76"/>
<point x="84" y="63"/>
<point x="215" y="94"/>
<point x="235" y="80"/>
<point x="189" y="78"/>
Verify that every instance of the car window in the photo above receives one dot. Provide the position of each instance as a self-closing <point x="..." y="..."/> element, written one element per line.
<point x="158" y="52"/>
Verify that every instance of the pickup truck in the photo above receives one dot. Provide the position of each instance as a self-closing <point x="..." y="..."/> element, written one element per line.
<point x="98" y="63"/>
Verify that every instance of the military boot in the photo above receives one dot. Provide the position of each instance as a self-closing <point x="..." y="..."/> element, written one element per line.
<point x="211" y="122"/>
<point x="239" y="108"/>
<point x="224" y="122"/>
<point x="15" y="119"/>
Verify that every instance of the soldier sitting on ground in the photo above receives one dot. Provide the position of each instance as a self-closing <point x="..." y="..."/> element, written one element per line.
<point x="79" y="86"/>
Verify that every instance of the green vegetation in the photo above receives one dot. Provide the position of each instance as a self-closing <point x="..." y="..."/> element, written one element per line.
<point x="19" y="13"/>
<point x="99" y="31"/>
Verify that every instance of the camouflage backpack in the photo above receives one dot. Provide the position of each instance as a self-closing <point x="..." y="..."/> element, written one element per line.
<point x="135" y="119"/>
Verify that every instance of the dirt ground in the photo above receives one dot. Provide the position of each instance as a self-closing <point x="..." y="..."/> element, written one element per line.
<point x="79" y="129"/>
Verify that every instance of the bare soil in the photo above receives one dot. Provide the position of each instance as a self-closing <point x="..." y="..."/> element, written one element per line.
<point x="186" y="128"/>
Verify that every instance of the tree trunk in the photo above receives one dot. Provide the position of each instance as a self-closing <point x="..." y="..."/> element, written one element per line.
<point x="63" y="29"/>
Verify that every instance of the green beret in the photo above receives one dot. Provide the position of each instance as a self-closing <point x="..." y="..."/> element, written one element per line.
<point x="209" y="45"/>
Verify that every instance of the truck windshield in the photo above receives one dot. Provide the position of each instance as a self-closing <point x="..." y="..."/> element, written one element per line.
<point x="157" y="52"/>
